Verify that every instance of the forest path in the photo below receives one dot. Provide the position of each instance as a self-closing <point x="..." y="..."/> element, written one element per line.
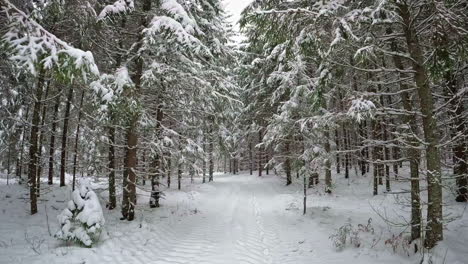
<point x="237" y="219"/>
<point x="226" y="226"/>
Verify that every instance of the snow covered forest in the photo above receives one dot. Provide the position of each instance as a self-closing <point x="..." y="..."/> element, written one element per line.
<point x="180" y="131"/>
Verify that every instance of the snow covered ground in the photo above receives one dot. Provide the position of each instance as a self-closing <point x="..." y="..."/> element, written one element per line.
<point x="236" y="219"/>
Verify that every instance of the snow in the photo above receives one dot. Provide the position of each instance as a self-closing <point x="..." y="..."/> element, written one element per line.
<point x="30" y="42"/>
<point x="235" y="219"/>
<point x="361" y="109"/>
<point x="117" y="8"/>
<point x="83" y="216"/>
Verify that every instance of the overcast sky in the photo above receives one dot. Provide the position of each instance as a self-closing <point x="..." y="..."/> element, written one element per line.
<point x="235" y="7"/>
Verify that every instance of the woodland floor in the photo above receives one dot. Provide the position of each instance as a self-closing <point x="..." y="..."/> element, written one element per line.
<point x="235" y="219"/>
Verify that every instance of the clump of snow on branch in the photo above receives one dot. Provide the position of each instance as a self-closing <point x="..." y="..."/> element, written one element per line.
<point x="173" y="8"/>
<point x="30" y="46"/>
<point x="361" y="109"/>
<point x="117" y="8"/>
<point x="111" y="85"/>
<point x="83" y="219"/>
<point x="177" y="22"/>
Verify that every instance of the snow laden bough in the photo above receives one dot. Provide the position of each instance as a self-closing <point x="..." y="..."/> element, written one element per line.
<point x="83" y="219"/>
<point x="33" y="48"/>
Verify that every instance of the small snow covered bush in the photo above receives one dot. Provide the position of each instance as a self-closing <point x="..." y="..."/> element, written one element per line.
<point x="83" y="219"/>
<point x="350" y="235"/>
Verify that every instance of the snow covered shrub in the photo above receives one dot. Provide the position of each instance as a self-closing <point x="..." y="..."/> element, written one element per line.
<point x="347" y="234"/>
<point x="399" y="242"/>
<point x="83" y="219"/>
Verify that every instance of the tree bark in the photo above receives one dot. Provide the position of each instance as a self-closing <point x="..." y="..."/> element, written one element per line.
<point x="287" y="162"/>
<point x="260" y="164"/>
<point x="157" y="164"/>
<point x="434" y="231"/>
<point x="413" y="152"/>
<point x="250" y="158"/>
<point x="33" y="149"/>
<point x="112" y="197"/>
<point x="63" y="156"/>
<point x="460" y="158"/>
<point x="169" y="170"/>
<point x="41" y="139"/>
<point x="210" y="156"/>
<point x="328" y="176"/>
<point x="338" y="148"/>
<point x="77" y="136"/>
<point x="52" y="141"/>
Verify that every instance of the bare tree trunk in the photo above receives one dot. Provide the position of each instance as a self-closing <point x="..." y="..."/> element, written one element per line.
<point x="347" y="148"/>
<point x="459" y="148"/>
<point x="250" y="158"/>
<point x="210" y="155"/>
<point x="434" y="231"/>
<point x="19" y="158"/>
<point x="112" y="197"/>
<point x="179" y="165"/>
<point x="260" y="164"/>
<point x="225" y="164"/>
<point x="63" y="157"/>
<point x="169" y="170"/>
<point x="338" y="148"/>
<point x="386" y="152"/>
<point x="155" y="176"/>
<point x="179" y="175"/>
<point x="41" y="139"/>
<point x="204" y="160"/>
<point x="77" y="136"/>
<point x="287" y="162"/>
<point x="157" y="164"/>
<point x="328" y="176"/>
<point x="413" y="152"/>
<point x="33" y="149"/>
<point x="376" y="155"/>
<point x="128" y="211"/>
<point x="52" y="141"/>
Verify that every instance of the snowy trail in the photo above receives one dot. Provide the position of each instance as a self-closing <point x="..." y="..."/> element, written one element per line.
<point x="229" y="228"/>
<point x="237" y="219"/>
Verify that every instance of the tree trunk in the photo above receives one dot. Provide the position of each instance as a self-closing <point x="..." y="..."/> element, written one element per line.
<point x="179" y="175"/>
<point x="63" y="157"/>
<point x="347" y="148"/>
<point x="287" y="162"/>
<point x="460" y="158"/>
<point x="33" y="149"/>
<point x="413" y="152"/>
<point x="41" y="139"/>
<point x="204" y="160"/>
<point x="210" y="156"/>
<point x="155" y="176"/>
<point x="328" y="176"/>
<point x="169" y="170"/>
<point x="250" y="158"/>
<point x="52" y="141"/>
<point x="386" y="151"/>
<point x="459" y="147"/>
<point x="128" y="206"/>
<point x="260" y="164"/>
<point x="157" y="164"/>
<point x="434" y="231"/>
<point x="77" y="136"/>
<point x="338" y="148"/>
<point x="112" y="197"/>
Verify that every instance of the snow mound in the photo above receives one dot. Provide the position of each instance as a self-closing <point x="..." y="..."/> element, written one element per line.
<point x="83" y="218"/>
